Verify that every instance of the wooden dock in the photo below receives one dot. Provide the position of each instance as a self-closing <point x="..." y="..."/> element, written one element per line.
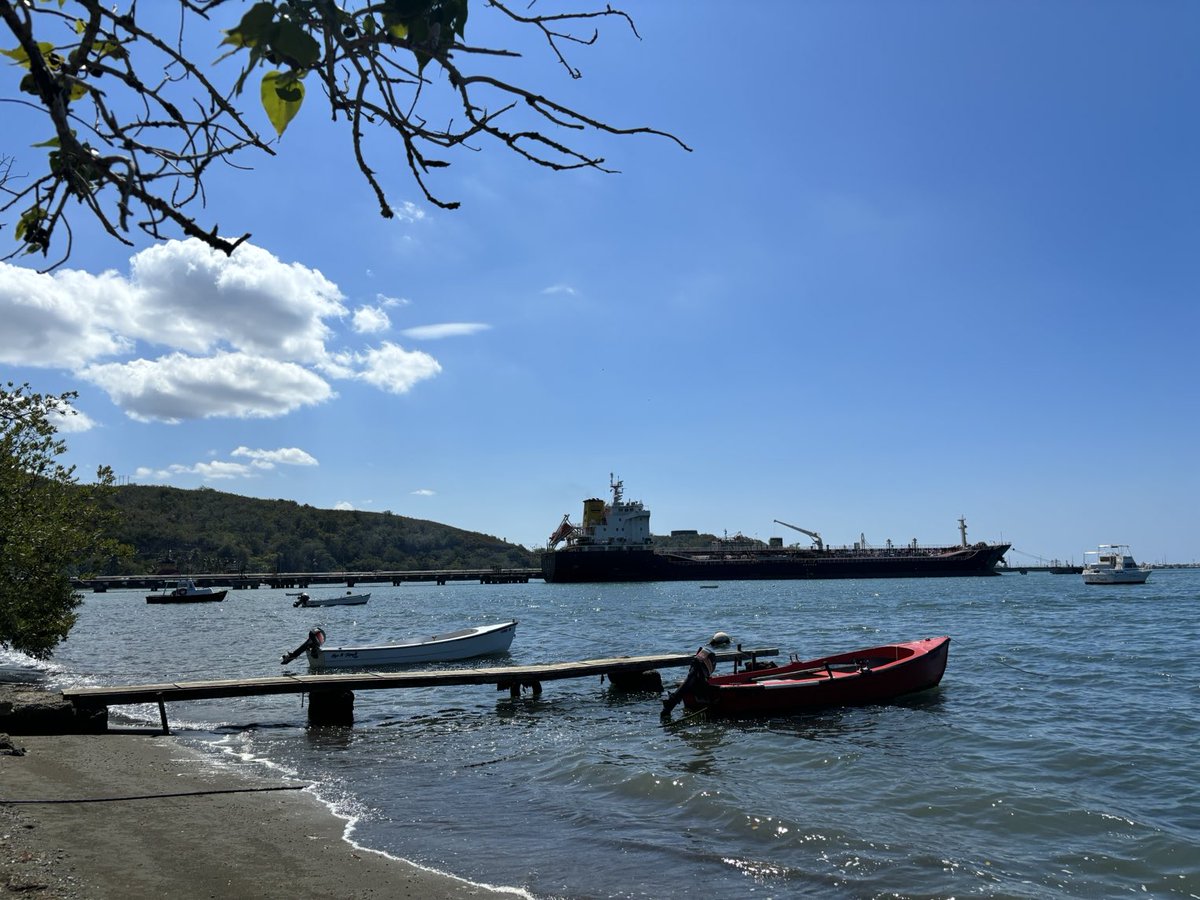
<point x="331" y="697"/>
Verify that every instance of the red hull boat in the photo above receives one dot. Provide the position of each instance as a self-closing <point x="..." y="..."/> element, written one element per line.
<point x="872" y="675"/>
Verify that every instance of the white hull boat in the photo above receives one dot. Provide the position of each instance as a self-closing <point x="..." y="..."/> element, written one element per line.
<point x="466" y="643"/>
<point x="346" y="599"/>
<point x="1112" y="564"/>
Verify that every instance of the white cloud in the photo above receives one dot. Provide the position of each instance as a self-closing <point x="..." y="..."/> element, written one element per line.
<point x="561" y="289"/>
<point x="59" y="320"/>
<point x="343" y="504"/>
<point x="187" y="296"/>
<point x="72" y="422"/>
<point x="423" y="492"/>
<point x="179" y="387"/>
<point x="208" y="471"/>
<point x="191" y="333"/>
<point x="408" y="212"/>
<point x="218" y="470"/>
<point x="444" y="330"/>
<point x="284" y="456"/>
<point x="370" y="320"/>
<point x="392" y="368"/>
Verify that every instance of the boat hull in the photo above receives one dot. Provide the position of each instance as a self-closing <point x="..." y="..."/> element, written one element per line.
<point x="871" y="675"/>
<point x="348" y="600"/>
<point x="1126" y="576"/>
<point x="214" y="597"/>
<point x="468" y="643"/>
<point x="579" y="565"/>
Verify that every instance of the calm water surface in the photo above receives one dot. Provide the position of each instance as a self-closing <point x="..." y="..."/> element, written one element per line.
<point x="1058" y="758"/>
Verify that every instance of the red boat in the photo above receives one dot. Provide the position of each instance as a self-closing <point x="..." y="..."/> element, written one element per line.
<point x="872" y="675"/>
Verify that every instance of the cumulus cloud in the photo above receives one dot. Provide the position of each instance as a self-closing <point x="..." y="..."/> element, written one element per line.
<point x="370" y="320"/>
<point x="179" y="387"/>
<point x="343" y="504"/>
<point x="208" y="471"/>
<point x="218" y="470"/>
<point x="191" y="333"/>
<point x="444" y="330"/>
<point x="393" y="369"/>
<point x="284" y="456"/>
<point x="70" y="421"/>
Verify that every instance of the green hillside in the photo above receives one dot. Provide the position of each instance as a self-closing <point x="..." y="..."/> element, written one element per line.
<point x="170" y="529"/>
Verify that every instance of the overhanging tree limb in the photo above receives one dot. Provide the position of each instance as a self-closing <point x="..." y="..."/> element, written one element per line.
<point x="134" y="151"/>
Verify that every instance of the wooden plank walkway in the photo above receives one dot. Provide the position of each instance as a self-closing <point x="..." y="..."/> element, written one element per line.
<point x="512" y="677"/>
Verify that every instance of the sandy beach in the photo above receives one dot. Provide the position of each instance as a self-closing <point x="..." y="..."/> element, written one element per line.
<point x="117" y="831"/>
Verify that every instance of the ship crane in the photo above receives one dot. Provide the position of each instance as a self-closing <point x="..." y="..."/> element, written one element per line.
<point x="812" y="534"/>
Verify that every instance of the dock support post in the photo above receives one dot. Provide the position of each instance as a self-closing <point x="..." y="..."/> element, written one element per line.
<point x="162" y="715"/>
<point x="649" y="680"/>
<point x="331" y="706"/>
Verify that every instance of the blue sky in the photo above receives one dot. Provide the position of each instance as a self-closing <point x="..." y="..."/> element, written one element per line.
<point x="925" y="260"/>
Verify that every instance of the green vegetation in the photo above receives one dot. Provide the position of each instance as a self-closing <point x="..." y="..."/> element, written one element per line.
<point x="49" y="523"/>
<point x="204" y="530"/>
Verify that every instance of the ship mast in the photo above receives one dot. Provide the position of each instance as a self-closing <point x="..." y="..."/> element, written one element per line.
<point x="617" y="486"/>
<point x="962" y="529"/>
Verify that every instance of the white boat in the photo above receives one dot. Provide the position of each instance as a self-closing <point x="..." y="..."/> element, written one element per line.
<point x="466" y="643"/>
<point x="1112" y="564"/>
<point x="347" y="599"/>
<point x="187" y="592"/>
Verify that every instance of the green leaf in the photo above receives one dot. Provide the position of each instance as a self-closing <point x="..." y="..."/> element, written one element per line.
<point x="255" y="24"/>
<point x="295" y="45"/>
<point x="22" y="58"/>
<point x="282" y="93"/>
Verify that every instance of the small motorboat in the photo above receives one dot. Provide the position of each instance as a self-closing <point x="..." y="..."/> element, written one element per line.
<point x="1112" y="564"/>
<point x="466" y="643"/>
<point x="347" y="599"/>
<point x="187" y="592"/>
<point x="871" y="675"/>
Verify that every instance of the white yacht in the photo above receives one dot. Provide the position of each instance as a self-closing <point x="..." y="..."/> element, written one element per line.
<point x="1112" y="564"/>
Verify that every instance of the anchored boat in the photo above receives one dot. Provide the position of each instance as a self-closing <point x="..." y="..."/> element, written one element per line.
<point x="187" y="592"/>
<point x="1112" y="564"/>
<point x="613" y="543"/>
<point x="872" y="675"/>
<point x="482" y="640"/>
<point x="347" y="599"/>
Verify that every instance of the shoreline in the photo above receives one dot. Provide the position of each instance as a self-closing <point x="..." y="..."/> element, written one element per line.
<point x="143" y="815"/>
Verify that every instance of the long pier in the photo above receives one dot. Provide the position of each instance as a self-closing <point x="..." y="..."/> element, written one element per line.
<point x="331" y="697"/>
<point x="252" y="580"/>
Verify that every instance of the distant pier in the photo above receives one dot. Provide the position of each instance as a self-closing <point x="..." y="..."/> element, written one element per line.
<point x="239" y="581"/>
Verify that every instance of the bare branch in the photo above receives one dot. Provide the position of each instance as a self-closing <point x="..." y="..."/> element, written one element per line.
<point x="134" y="151"/>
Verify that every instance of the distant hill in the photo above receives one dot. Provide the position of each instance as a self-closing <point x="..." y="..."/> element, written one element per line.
<point x="175" y="530"/>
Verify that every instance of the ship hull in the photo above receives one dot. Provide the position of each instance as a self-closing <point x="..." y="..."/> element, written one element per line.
<point x="579" y="565"/>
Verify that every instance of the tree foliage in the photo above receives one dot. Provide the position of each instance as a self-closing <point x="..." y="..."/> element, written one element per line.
<point x="136" y="115"/>
<point x="50" y="525"/>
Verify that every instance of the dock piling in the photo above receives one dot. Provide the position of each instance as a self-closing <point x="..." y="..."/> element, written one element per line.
<point x="331" y="706"/>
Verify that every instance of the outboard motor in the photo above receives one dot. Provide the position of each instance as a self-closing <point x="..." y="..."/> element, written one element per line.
<point x="316" y="637"/>
<point x="302" y="600"/>
<point x="703" y="664"/>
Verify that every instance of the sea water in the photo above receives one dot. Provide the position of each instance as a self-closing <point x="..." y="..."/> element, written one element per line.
<point x="1058" y="758"/>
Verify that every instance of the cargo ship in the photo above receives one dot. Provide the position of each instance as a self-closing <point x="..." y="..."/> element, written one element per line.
<point x="613" y="543"/>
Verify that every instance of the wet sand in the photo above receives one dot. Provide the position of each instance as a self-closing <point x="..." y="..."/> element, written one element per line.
<point x="118" y="835"/>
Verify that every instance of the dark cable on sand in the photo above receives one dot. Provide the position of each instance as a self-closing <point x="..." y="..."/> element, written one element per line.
<point x="255" y="790"/>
